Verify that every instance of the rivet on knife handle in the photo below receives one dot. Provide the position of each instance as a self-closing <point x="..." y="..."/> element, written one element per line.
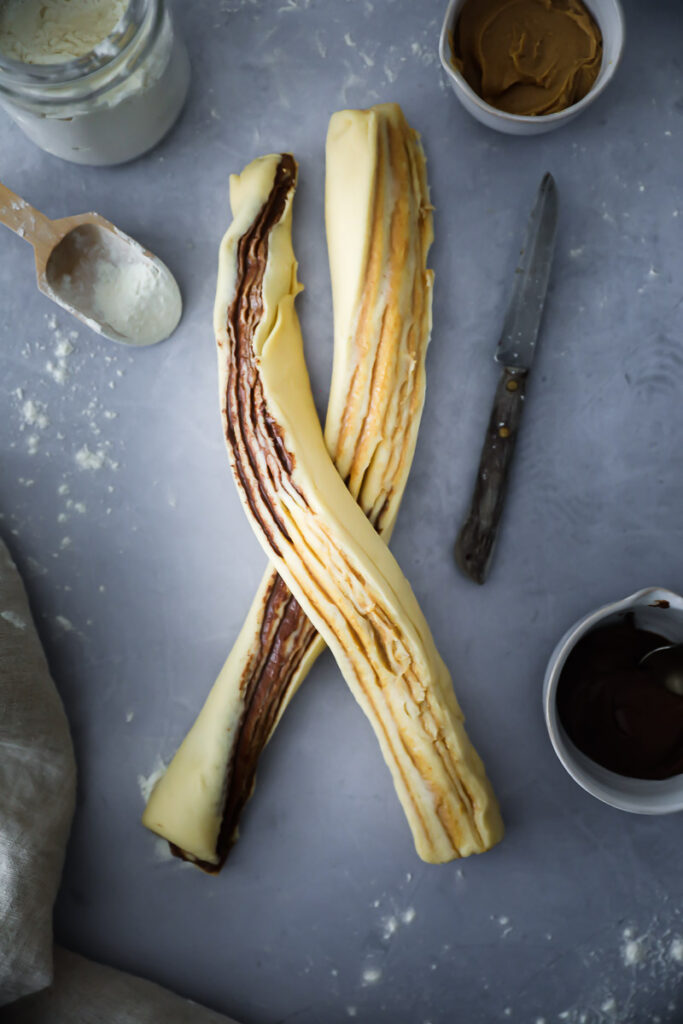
<point x="476" y="540"/>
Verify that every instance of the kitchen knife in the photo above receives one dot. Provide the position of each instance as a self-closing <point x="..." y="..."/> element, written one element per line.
<point x="515" y="352"/>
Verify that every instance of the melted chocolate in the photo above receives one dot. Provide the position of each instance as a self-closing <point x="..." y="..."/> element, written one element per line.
<point x="260" y="458"/>
<point x="617" y="711"/>
<point x="253" y="436"/>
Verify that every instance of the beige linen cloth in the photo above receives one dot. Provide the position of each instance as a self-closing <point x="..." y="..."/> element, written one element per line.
<point x="40" y="983"/>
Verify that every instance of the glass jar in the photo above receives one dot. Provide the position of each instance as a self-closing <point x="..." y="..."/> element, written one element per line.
<point x="110" y="105"/>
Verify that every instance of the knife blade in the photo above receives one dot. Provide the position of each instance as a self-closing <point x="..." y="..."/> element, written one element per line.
<point x="515" y="352"/>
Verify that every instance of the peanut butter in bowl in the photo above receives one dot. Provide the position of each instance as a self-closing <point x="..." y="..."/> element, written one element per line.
<point x="528" y="57"/>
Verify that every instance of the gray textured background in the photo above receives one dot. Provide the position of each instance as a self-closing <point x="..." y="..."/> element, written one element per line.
<point x="162" y="565"/>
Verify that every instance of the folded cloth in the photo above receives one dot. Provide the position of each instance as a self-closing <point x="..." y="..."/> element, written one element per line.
<point x="88" y="993"/>
<point x="37" y="795"/>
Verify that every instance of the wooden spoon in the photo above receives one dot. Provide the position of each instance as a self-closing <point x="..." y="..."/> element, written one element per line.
<point x="97" y="273"/>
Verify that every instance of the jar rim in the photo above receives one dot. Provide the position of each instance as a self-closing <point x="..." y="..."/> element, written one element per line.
<point x="85" y="73"/>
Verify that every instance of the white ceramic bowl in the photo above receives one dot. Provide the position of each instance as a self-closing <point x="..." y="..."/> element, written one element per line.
<point x="610" y="18"/>
<point x="655" y="609"/>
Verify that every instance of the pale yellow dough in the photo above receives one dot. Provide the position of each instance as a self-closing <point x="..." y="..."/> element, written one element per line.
<point x="339" y="570"/>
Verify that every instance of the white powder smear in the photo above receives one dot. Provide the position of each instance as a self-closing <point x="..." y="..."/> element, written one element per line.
<point x="632" y="952"/>
<point x="162" y="851"/>
<point x="63" y="348"/>
<point x="676" y="950"/>
<point x="371" y="975"/>
<point x="57" y="371"/>
<point x="13" y="619"/>
<point x="33" y="414"/>
<point x="85" y="459"/>
<point x="408" y="915"/>
<point x="148" y="782"/>
<point x="64" y="623"/>
<point x="644" y="964"/>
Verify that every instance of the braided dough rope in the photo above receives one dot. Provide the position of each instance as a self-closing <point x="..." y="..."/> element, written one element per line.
<point x="379" y="231"/>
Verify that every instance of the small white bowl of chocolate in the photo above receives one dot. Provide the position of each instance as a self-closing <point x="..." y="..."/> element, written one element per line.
<point x="613" y="702"/>
<point x="525" y="67"/>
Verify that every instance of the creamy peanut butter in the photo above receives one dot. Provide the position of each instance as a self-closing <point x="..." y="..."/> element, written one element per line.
<point x="528" y="56"/>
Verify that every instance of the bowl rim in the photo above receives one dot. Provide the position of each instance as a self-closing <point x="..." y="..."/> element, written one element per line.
<point x="592" y="777"/>
<point x="527" y="119"/>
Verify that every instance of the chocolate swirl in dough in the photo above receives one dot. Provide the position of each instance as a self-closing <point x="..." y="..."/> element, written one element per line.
<point x="385" y="158"/>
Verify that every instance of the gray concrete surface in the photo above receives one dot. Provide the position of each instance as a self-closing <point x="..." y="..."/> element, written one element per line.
<point x="153" y="563"/>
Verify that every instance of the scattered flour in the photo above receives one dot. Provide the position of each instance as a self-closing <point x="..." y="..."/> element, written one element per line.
<point x="57" y="367"/>
<point x="162" y="851"/>
<point x="371" y="975"/>
<point x="646" y="964"/>
<point x="13" y="619"/>
<point x="87" y="459"/>
<point x="129" y="717"/>
<point x="320" y="45"/>
<point x="33" y="414"/>
<point x="148" y="782"/>
<point x="64" y="623"/>
<point x="63" y="348"/>
<point x="408" y="915"/>
<point x="633" y="950"/>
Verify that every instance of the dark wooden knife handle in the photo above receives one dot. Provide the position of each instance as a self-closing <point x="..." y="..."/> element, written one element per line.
<point x="477" y="538"/>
